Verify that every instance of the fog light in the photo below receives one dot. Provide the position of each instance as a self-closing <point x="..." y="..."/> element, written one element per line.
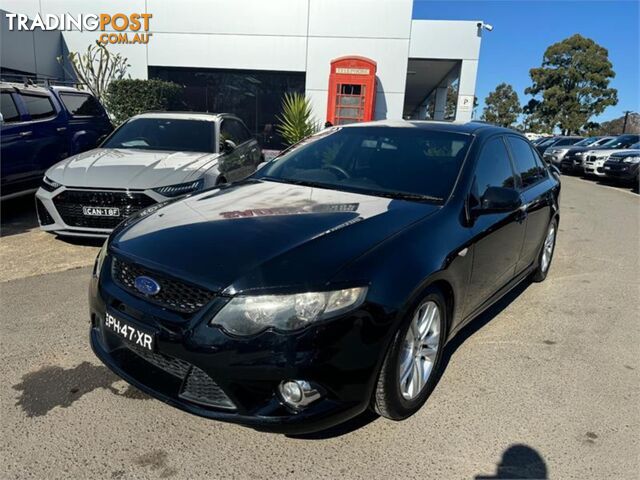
<point x="298" y="393"/>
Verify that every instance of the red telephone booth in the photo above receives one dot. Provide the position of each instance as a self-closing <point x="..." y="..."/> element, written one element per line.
<point x="352" y="90"/>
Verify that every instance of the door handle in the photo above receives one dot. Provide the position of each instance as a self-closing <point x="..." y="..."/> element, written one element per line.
<point x="61" y="129"/>
<point x="25" y="134"/>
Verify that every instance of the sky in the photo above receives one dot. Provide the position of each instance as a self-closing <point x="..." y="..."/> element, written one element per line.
<point x="523" y="29"/>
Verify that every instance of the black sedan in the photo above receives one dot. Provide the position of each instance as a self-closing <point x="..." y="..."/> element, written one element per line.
<point x="329" y="282"/>
<point x="624" y="165"/>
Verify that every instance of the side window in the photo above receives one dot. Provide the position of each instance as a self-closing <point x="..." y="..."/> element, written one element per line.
<point x="233" y="130"/>
<point x="227" y="133"/>
<point x="8" y="108"/>
<point x="38" y="106"/>
<point x="81" y="105"/>
<point x="493" y="168"/>
<point x="243" y="132"/>
<point x="526" y="165"/>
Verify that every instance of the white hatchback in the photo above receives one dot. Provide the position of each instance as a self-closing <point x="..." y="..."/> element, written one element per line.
<point x="150" y="158"/>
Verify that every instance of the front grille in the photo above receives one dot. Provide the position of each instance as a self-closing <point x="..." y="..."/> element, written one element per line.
<point x="43" y="214"/>
<point x="177" y="368"/>
<point x="174" y="294"/>
<point x="197" y="386"/>
<point x="70" y="203"/>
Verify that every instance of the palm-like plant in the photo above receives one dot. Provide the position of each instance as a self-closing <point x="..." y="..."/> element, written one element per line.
<point x="296" y="120"/>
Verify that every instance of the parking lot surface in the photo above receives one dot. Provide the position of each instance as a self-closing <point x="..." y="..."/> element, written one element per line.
<point x="544" y="385"/>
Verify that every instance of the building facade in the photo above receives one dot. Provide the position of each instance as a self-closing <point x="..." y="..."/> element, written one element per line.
<point x="243" y="55"/>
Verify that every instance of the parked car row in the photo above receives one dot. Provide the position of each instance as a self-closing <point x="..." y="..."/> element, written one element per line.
<point x="590" y="161"/>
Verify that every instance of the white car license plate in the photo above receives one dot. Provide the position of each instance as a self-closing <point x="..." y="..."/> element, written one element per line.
<point x="101" y="211"/>
<point x="129" y="333"/>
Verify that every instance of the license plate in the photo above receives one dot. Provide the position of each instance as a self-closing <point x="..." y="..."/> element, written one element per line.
<point x="129" y="333"/>
<point x="101" y="211"/>
<point x="607" y="168"/>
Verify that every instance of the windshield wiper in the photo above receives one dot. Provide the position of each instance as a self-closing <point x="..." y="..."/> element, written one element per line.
<point x="416" y="197"/>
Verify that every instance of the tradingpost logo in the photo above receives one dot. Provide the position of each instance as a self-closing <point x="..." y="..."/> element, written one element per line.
<point x="126" y="29"/>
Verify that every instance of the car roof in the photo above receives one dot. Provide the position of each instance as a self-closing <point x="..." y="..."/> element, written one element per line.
<point x="471" y="127"/>
<point x="14" y="86"/>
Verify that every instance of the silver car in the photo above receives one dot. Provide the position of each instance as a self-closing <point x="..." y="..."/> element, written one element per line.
<point x="150" y="158"/>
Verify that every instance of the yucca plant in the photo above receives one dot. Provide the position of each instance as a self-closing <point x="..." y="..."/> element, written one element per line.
<point x="296" y="119"/>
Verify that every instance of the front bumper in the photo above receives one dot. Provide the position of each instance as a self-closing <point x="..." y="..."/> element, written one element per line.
<point x="51" y="220"/>
<point x="622" y="171"/>
<point x="341" y="356"/>
<point x="594" y="167"/>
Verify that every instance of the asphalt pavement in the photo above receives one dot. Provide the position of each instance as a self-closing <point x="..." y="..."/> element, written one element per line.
<point x="544" y="385"/>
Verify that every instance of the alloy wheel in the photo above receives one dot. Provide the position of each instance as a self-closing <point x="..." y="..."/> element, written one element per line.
<point x="419" y="349"/>
<point x="547" y="248"/>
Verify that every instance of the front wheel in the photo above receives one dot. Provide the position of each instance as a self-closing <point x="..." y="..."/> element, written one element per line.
<point x="546" y="253"/>
<point x="410" y="368"/>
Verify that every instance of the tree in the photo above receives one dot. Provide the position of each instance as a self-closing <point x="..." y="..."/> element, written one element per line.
<point x="97" y="68"/>
<point x="572" y="84"/>
<point x="296" y="120"/>
<point x="502" y="106"/>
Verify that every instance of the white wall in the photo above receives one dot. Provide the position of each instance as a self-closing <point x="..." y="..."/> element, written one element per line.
<point x="290" y="35"/>
<point x="450" y="40"/>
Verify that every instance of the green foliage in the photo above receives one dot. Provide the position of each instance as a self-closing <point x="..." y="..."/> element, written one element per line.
<point x="97" y="68"/>
<point x="129" y="97"/>
<point x="572" y="84"/>
<point x="296" y="119"/>
<point x="502" y="106"/>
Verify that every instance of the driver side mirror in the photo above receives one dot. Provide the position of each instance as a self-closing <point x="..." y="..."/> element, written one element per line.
<point x="228" y="146"/>
<point x="499" y="199"/>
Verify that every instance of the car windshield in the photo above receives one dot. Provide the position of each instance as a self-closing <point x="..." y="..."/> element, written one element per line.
<point x="409" y="163"/>
<point x="623" y="141"/>
<point x="585" y="142"/>
<point x="164" y="134"/>
<point x="548" y="141"/>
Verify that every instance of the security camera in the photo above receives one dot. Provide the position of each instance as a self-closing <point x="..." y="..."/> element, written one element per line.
<point x="486" y="26"/>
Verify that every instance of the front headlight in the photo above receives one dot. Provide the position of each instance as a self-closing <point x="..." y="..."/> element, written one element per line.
<point x="49" y="185"/>
<point x="180" y="188"/>
<point x="97" y="266"/>
<point x="248" y="315"/>
<point x="634" y="160"/>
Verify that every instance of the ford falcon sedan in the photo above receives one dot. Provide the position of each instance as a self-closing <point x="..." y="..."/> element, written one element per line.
<point x="328" y="282"/>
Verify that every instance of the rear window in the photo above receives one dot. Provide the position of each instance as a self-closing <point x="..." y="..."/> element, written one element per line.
<point x="81" y="105"/>
<point x="387" y="161"/>
<point x="38" y="106"/>
<point x="8" y="108"/>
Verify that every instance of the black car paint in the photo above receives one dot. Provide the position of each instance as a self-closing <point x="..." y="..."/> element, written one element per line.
<point x="396" y="247"/>
<point x="616" y="169"/>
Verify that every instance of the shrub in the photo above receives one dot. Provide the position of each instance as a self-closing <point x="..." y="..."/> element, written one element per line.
<point x="296" y="120"/>
<point x="129" y="97"/>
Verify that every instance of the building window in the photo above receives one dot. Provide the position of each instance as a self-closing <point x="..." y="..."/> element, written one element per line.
<point x="253" y="95"/>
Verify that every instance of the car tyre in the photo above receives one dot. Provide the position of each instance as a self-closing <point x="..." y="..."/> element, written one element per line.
<point x="546" y="252"/>
<point x="393" y="397"/>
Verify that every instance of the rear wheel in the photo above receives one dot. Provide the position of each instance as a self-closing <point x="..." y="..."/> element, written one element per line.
<point x="410" y="368"/>
<point x="546" y="253"/>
